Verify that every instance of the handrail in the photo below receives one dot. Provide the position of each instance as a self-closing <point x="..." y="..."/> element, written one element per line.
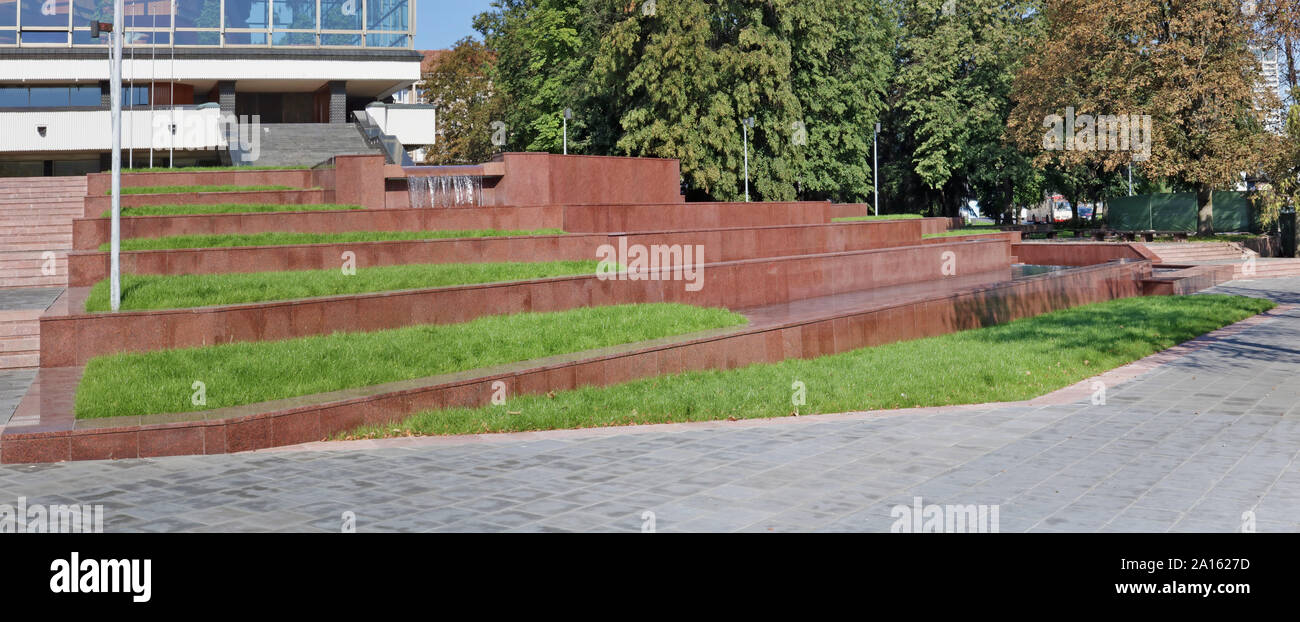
<point x="394" y="153"/>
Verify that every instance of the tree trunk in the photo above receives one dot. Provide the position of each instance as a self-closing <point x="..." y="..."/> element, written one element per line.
<point x="1009" y="189"/>
<point x="1290" y="64"/>
<point x="1204" y="211"/>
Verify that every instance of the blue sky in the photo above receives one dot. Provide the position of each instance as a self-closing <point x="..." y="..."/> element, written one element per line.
<point x="440" y="23"/>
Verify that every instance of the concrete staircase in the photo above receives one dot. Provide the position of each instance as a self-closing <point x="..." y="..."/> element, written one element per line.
<point x="1226" y="253"/>
<point x="20" y="339"/>
<point x="36" y="218"/>
<point x="1197" y="252"/>
<point x="308" y="144"/>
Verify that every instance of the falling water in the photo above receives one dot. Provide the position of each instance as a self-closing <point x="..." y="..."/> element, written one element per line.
<point x="445" y="191"/>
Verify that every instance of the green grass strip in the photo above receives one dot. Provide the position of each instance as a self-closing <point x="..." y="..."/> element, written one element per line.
<point x="973" y="230"/>
<point x="197" y="189"/>
<point x="880" y="217"/>
<point x="1015" y="361"/>
<point x="227" y="208"/>
<point x="246" y="373"/>
<point x="145" y="291"/>
<point x="276" y="238"/>
<point x="209" y="169"/>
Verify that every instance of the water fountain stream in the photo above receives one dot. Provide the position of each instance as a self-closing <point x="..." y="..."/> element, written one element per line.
<point x="445" y="191"/>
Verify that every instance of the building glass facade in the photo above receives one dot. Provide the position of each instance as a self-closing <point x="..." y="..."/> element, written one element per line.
<point x="387" y="24"/>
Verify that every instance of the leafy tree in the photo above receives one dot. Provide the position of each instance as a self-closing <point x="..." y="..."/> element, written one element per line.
<point x="841" y="68"/>
<point x="459" y="84"/>
<point x="956" y="65"/>
<point x="687" y="73"/>
<point x="1283" y="190"/>
<point x="1187" y="64"/>
<point x="541" y="69"/>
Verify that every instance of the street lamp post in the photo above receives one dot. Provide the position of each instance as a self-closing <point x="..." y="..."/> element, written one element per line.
<point x="568" y="114"/>
<point x="875" y="167"/>
<point x="748" y="123"/>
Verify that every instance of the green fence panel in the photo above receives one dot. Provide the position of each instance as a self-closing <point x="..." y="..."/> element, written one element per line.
<point x="1128" y="213"/>
<point x="1232" y="212"/>
<point x="1178" y="212"/>
<point x="1173" y="212"/>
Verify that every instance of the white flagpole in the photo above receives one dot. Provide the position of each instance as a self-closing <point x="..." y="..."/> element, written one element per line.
<point x="115" y="94"/>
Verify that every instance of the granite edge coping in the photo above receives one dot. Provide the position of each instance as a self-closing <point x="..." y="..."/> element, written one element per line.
<point x="355" y="395"/>
<point x="472" y="286"/>
<point x="1063" y="396"/>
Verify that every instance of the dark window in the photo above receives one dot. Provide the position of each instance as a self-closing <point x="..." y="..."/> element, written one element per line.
<point x="45" y="37"/>
<point x="351" y="40"/>
<point x="45" y="12"/>
<point x="8" y="13"/>
<point x="135" y="96"/>
<point x="48" y="96"/>
<point x="84" y="96"/>
<point x="245" y="38"/>
<point x="13" y="97"/>
<point x="198" y="38"/>
<point x="58" y="96"/>
<point x="247" y="14"/>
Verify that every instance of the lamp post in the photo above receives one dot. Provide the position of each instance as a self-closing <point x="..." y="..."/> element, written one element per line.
<point x="875" y="167"/>
<point x="115" y="117"/>
<point x="568" y="114"/>
<point x="744" y="127"/>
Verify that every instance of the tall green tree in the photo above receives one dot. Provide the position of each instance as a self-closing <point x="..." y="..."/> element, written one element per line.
<point x="459" y="84"/>
<point x="542" y="66"/>
<point x="957" y="61"/>
<point x="1186" y="65"/>
<point x="841" y="68"/>
<point x="687" y="73"/>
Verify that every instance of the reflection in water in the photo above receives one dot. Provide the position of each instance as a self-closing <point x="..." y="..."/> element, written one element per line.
<point x="1024" y="271"/>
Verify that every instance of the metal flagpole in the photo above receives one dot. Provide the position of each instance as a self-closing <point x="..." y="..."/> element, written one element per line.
<point x="130" y="86"/>
<point x="153" y="73"/>
<point x="875" y="167"/>
<point x="171" y="129"/>
<point x="115" y="95"/>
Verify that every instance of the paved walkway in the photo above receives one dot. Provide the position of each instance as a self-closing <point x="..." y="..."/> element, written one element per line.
<point x="1189" y="446"/>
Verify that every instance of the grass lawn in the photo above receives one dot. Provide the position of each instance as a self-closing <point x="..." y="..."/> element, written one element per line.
<point x="197" y="189"/>
<point x="1014" y="361"/>
<point x="969" y="230"/>
<point x="226" y="208"/>
<point x="276" y="238"/>
<point x="246" y="373"/>
<point x="208" y="169"/>
<point x="149" y="291"/>
<point x="881" y="217"/>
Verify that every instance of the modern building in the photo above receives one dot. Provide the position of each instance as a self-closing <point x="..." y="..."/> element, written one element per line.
<point x="270" y="82"/>
<point x="1270" y="81"/>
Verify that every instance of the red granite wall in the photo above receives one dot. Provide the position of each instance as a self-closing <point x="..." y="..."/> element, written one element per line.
<point x="97" y="206"/>
<point x="70" y="337"/>
<point x="1079" y="253"/>
<point x="90" y="233"/>
<point x="98" y="184"/>
<point x="811" y="338"/>
<point x="87" y="267"/>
